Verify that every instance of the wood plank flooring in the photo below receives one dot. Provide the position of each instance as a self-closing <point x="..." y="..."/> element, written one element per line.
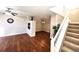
<point x="25" y="43"/>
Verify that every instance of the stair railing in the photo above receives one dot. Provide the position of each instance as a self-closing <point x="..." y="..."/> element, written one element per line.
<point x="60" y="34"/>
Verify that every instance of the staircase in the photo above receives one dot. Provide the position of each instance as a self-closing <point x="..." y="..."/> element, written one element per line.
<point x="71" y="40"/>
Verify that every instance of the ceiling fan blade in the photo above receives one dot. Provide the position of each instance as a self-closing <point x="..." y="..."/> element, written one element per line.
<point x="9" y="9"/>
<point x="14" y="14"/>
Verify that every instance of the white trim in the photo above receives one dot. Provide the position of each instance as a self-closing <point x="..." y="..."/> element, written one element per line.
<point x="60" y="34"/>
<point x="52" y="45"/>
<point x="12" y="34"/>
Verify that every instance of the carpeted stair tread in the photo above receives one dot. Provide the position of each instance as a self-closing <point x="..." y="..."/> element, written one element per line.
<point x="75" y="35"/>
<point x="72" y="39"/>
<point x="66" y="49"/>
<point x="72" y="23"/>
<point x="73" y="30"/>
<point x="73" y="27"/>
<point x="71" y="45"/>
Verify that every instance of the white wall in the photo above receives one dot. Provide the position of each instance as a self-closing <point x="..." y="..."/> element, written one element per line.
<point x="52" y="23"/>
<point x="42" y="26"/>
<point x="55" y="19"/>
<point x="19" y="26"/>
<point x="59" y="19"/>
<point x="46" y="25"/>
<point x="38" y="23"/>
<point x="74" y="15"/>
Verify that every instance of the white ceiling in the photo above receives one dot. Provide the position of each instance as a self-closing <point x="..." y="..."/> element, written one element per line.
<point x="32" y="10"/>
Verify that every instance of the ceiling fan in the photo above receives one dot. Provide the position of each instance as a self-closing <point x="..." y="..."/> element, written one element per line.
<point x="9" y="11"/>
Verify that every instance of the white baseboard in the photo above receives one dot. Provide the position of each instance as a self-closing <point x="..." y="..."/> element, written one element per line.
<point x="11" y="34"/>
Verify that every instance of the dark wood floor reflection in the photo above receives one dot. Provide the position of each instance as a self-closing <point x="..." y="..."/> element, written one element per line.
<point x="24" y="43"/>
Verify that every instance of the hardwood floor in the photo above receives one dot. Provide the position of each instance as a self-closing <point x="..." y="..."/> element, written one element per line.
<point x="25" y="43"/>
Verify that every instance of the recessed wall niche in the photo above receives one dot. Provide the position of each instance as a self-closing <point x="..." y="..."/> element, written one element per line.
<point x="29" y="26"/>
